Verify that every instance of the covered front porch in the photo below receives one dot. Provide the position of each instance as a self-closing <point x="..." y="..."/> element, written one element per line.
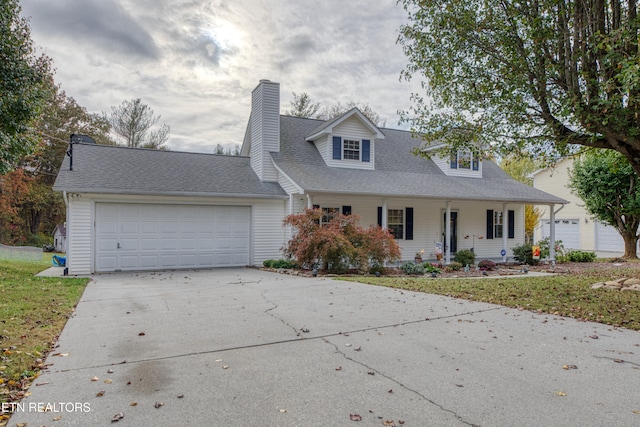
<point x="432" y="226"/>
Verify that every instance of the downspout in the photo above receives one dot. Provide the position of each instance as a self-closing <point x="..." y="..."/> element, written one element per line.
<point x="66" y="240"/>
<point x="447" y="235"/>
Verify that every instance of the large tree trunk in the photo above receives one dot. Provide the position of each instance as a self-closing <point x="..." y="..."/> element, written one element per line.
<point x="34" y="227"/>
<point x="630" y="245"/>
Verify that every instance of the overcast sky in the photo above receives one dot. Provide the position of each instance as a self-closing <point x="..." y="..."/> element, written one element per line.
<point x="195" y="62"/>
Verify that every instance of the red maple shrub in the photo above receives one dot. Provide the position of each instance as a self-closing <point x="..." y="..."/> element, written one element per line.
<point x="338" y="244"/>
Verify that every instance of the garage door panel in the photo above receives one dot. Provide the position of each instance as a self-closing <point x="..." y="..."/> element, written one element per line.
<point x="169" y="244"/>
<point x="149" y="245"/>
<point x="149" y="261"/>
<point x="146" y="237"/>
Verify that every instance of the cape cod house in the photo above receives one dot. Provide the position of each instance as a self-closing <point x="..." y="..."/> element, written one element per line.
<point x="134" y="209"/>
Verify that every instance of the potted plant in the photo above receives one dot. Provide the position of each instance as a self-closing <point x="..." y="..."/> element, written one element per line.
<point x="418" y="257"/>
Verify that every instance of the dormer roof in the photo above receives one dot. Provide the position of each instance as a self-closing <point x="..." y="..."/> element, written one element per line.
<point x="326" y="128"/>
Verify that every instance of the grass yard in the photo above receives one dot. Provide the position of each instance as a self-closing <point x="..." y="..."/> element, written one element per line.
<point x="567" y="295"/>
<point x="33" y="311"/>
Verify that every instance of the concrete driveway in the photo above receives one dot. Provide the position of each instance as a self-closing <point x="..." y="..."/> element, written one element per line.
<point x="242" y="347"/>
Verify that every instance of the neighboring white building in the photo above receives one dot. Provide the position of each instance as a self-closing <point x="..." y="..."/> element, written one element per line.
<point x="60" y="238"/>
<point x="134" y="209"/>
<point x="574" y="226"/>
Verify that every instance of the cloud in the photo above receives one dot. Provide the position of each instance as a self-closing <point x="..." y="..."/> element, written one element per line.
<point x="102" y="23"/>
<point x="196" y="62"/>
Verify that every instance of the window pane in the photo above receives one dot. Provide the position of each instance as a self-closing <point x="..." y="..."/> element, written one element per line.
<point x="351" y="150"/>
<point x="497" y="224"/>
<point x="328" y="214"/>
<point x="395" y="222"/>
<point x="464" y="160"/>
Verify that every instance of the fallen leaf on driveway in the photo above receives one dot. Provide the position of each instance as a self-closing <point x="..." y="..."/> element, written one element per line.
<point x="58" y="418"/>
<point x="565" y="367"/>
<point x="339" y="368"/>
<point x="141" y="334"/>
<point x="133" y="404"/>
<point x="282" y="411"/>
<point x="357" y="348"/>
<point x="117" y="417"/>
<point x="225" y="367"/>
<point x="390" y="391"/>
<point x="355" y="417"/>
<point x="388" y="423"/>
<point x="100" y="393"/>
<point x="618" y="360"/>
<point x="158" y="405"/>
<point x="636" y="412"/>
<point x="180" y="396"/>
<point x="561" y="393"/>
<point x="95" y="379"/>
<point x="107" y="381"/>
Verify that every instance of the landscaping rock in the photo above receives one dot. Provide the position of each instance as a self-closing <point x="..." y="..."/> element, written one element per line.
<point x="622" y="284"/>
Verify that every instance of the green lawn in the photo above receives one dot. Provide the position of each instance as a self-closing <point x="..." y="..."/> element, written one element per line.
<point x="33" y="311"/>
<point x="569" y="295"/>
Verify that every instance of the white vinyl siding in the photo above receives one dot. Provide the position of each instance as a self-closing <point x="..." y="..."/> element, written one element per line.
<point x="350" y="129"/>
<point x="79" y="235"/>
<point x="269" y="235"/>
<point x="445" y="166"/>
<point x="265" y="129"/>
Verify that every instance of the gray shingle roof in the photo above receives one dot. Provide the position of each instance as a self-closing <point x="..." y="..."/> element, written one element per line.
<point x="119" y="170"/>
<point x="397" y="171"/>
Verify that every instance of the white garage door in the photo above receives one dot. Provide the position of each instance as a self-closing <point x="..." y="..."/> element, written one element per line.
<point x="154" y="237"/>
<point x="567" y="230"/>
<point x="608" y="239"/>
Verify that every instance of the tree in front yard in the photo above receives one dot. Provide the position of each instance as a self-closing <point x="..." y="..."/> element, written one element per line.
<point x="529" y="76"/>
<point x="338" y="243"/>
<point x="608" y="185"/>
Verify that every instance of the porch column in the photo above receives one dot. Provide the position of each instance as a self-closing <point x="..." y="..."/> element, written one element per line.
<point x="384" y="214"/>
<point x="552" y="234"/>
<point x="505" y="230"/>
<point x="447" y="235"/>
<point x="309" y="202"/>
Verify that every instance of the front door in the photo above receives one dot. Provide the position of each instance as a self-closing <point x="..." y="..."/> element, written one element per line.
<point x="454" y="231"/>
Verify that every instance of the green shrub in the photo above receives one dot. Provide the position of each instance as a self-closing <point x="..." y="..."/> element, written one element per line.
<point x="465" y="256"/>
<point x="581" y="256"/>
<point x="522" y="253"/>
<point x="432" y="268"/>
<point x="278" y="263"/>
<point x="377" y="268"/>
<point x="39" y="240"/>
<point x="486" y="264"/>
<point x="454" y="266"/>
<point x="412" y="268"/>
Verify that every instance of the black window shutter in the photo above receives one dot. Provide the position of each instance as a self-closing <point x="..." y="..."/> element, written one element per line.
<point x="366" y="150"/>
<point x="409" y="223"/>
<point x="380" y="216"/>
<point x="489" y="224"/>
<point x="316" y="206"/>
<point x="476" y="163"/>
<point x="337" y="148"/>
<point x="454" y="161"/>
<point x="512" y="225"/>
<point x="346" y="210"/>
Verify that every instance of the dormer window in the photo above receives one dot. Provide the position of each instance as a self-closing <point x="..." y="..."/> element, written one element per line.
<point x="464" y="160"/>
<point x="350" y="149"/>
